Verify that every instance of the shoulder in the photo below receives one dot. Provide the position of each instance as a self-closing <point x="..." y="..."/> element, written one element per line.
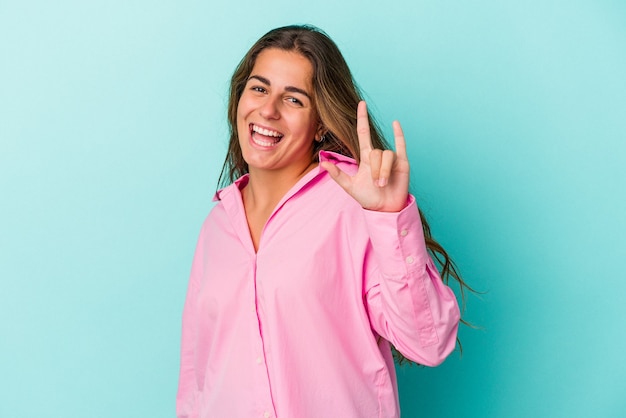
<point x="330" y="194"/>
<point x="347" y="164"/>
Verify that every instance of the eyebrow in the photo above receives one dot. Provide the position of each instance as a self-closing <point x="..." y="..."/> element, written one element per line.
<point x="290" y="89"/>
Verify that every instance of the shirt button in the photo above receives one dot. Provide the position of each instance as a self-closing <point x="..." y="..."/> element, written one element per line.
<point x="258" y="360"/>
<point x="266" y="415"/>
<point x="404" y="232"/>
<point x="410" y="260"/>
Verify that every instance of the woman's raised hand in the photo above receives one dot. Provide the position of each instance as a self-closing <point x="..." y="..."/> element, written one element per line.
<point x="382" y="180"/>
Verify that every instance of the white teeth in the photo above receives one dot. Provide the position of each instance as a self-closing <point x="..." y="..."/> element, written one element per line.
<point x="266" y="132"/>
<point x="263" y="143"/>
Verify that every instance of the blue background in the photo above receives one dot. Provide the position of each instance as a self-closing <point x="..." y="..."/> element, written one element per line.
<point x="112" y="135"/>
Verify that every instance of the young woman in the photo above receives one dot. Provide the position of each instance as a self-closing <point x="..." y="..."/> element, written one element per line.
<point x="314" y="260"/>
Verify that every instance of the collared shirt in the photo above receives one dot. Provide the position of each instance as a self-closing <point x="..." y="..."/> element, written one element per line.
<point x="301" y="328"/>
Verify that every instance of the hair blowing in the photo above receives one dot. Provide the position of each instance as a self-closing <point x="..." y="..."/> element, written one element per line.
<point x="335" y="98"/>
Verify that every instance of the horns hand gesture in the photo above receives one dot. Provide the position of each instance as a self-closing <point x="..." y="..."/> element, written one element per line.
<point x="382" y="180"/>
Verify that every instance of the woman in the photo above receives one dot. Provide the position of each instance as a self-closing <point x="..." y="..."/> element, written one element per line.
<point x="314" y="259"/>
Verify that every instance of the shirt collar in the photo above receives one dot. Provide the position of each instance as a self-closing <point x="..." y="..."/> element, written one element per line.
<point x="335" y="157"/>
<point x="241" y="182"/>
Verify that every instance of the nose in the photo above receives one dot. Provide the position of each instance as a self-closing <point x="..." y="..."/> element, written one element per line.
<point x="269" y="108"/>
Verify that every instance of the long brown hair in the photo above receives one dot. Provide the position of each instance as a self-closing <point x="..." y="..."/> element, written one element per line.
<point x="335" y="97"/>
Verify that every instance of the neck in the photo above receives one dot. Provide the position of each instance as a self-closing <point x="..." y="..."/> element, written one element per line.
<point x="266" y="188"/>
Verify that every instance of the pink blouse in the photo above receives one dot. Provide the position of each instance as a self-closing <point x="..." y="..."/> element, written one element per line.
<point x="302" y="327"/>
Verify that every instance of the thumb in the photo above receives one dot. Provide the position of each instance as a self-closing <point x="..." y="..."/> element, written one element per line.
<point x="342" y="179"/>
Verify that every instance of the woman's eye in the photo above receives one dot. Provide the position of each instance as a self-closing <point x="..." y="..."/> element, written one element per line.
<point x="258" y="89"/>
<point x="294" y="101"/>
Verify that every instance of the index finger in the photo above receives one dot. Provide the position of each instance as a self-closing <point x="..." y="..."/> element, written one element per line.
<point x="363" y="129"/>
<point x="400" y="141"/>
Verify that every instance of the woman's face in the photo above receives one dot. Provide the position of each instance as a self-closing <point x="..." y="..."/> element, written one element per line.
<point x="276" y="120"/>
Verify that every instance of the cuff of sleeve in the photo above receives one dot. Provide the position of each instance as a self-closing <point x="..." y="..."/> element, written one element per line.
<point x="397" y="240"/>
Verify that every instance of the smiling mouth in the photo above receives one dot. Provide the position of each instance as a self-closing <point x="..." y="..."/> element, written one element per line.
<point x="264" y="137"/>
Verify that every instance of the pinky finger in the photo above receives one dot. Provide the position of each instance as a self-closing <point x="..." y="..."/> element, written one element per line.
<point x="400" y="141"/>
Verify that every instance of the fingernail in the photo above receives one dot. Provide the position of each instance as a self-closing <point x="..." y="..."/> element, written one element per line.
<point x="382" y="182"/>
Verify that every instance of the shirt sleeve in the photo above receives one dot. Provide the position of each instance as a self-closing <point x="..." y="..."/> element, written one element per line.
<point x="188" y="394"/>
<point x="407" y="302"/>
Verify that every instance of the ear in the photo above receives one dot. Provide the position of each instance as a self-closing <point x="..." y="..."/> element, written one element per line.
<point x="321" y="132"/>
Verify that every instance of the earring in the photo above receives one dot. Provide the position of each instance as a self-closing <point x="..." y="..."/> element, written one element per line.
<point x="322" y="138"/>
